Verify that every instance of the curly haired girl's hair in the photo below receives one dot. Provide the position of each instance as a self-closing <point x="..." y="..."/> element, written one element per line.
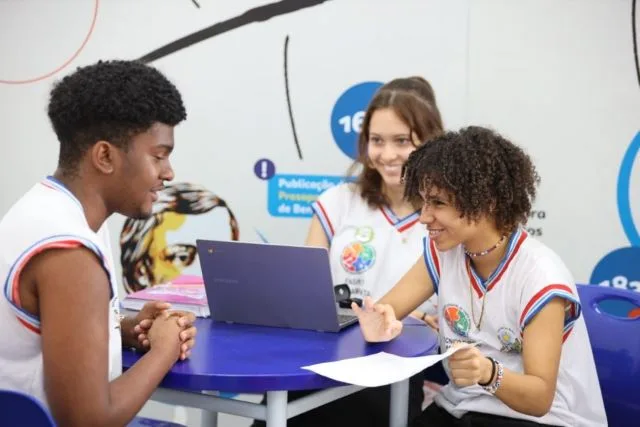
<point x="484" y="173"/>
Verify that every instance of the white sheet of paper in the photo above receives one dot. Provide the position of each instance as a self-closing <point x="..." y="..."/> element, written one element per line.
<point x="378" y="369"/>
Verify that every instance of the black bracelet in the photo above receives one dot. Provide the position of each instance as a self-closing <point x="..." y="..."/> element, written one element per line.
<point x="493" y="372"/>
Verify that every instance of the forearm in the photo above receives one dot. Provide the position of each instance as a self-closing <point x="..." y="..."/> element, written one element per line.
<point x="533" y="393"/>
<point x="527" y="394"/>
<point x="129" y="392"/>
<point x="417" y="314"/>
<point x="118" y="402"/>
<point x="405" y="298"/>
<point x="413" y="289"/>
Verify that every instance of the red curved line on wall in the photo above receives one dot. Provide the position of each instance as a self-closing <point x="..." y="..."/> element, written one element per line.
<point x="67" y="62"/>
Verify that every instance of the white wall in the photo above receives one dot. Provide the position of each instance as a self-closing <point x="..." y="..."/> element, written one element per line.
<point x="557" y="76"/>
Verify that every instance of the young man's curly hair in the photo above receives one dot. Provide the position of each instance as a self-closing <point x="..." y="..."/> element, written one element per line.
<point x="110" y="101"/>
<point x="484" y="174"/>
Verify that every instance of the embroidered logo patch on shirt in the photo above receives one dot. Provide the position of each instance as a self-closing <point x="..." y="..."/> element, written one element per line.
<point x="510" y="341"/>
<point x="457" y="319"/>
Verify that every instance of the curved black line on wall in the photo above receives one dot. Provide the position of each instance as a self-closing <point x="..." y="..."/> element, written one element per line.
<point x="258" y="14"/>
<point x="635" y="39"/>
<point x="286" y="89"/>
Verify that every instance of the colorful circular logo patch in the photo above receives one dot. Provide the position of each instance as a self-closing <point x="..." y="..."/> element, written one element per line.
<point x="358" y="257"/>
<point x="457" y="319"/>
<point x="510" y="341"/>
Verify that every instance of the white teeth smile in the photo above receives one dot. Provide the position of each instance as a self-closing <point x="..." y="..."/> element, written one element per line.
<point x="435" y="233"/>
<point x="392" y="169"/>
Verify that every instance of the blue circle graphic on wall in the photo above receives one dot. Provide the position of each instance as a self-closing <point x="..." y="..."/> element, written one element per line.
<point x="620" y="268"/>
<point x="624" y="191"/>
<point x="348" y="113"/>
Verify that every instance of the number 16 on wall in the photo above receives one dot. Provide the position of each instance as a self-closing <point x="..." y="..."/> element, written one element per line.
<point x="352" y="123"/>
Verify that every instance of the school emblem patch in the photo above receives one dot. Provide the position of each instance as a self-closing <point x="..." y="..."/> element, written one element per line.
<point x="510" y="342"/>
<point x="457" y="319"/>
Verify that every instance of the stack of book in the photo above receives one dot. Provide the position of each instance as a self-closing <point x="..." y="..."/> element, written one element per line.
<point x="185" y="293"/>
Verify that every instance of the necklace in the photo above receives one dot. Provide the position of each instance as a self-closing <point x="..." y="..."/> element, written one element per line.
<point x="484" y="298"/>
<point x="486" y="251"/>
<point x="473" y="314"/>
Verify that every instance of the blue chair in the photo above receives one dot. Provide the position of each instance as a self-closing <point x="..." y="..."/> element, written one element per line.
<point x="20" y="409"/>
<point x="616" y="349"/>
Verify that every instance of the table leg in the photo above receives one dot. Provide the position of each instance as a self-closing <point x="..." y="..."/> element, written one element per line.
<point x="276" y="408"/>
<point x="208" y="418"/>
<point x="399" y="410"/>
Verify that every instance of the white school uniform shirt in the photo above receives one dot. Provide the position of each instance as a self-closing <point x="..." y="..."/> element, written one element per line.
<point x="370" y="249"/>
<point x="529" y="276"/>
<point x="48" y="216"/>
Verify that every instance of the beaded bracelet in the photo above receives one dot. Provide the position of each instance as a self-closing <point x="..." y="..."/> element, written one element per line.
<point x="492" y="388"/>
<point x="493" y="372"/>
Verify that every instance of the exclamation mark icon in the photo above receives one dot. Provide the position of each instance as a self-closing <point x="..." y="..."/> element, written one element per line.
<point x="264" y="169"/>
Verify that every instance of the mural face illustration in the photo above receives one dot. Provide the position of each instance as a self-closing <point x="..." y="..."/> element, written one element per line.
<point x="162" y="247"/>
<point x="170" y="259"/>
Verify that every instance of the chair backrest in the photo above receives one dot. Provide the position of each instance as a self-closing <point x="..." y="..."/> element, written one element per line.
<point x="616" y="349"/>
<point x="19" y="409"/>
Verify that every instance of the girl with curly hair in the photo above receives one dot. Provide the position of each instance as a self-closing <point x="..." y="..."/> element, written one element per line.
<point x="498" y="288"/>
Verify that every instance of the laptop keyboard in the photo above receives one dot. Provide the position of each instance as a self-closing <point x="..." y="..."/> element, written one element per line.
<point x="344" y="318"/>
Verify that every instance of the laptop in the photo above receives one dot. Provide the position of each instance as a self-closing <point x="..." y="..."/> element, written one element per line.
<point x="270" y="285"/>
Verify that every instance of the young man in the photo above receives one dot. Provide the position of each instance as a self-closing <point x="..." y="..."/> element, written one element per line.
<point x="59" y="320"/>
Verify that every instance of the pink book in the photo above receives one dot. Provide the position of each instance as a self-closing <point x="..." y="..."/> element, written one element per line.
<point x="186" y="297"/>
<point x="188" y="279"/>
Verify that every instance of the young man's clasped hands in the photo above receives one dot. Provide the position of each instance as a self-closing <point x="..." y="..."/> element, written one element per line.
<point x="135" y="330"/>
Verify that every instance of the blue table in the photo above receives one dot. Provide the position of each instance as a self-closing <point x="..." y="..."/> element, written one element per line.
<point x="252" y="359"/>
